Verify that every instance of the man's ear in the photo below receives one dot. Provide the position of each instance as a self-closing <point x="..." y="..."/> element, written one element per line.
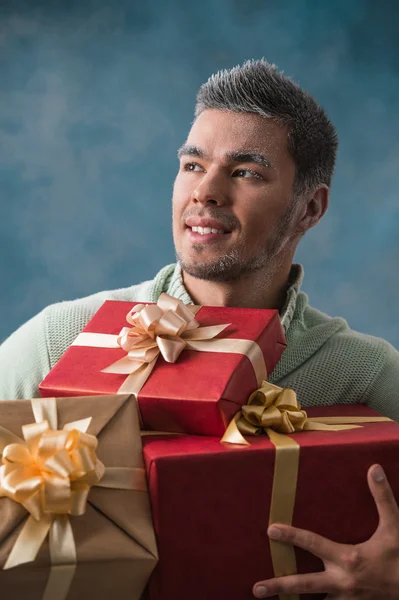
<point x="312" y="208"/>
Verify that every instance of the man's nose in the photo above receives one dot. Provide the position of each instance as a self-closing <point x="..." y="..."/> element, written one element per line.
<point x="210" y="191"/>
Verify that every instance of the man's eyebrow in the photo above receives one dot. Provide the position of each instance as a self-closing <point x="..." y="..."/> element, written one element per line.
<point x="190" y="150"/>
<point x="245" y="156"/>
<point x="238" y="156"/>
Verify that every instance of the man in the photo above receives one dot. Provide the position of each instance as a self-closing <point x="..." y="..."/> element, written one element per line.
<point x="254" y="176"/>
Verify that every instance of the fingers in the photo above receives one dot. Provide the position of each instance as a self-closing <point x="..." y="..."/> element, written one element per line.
<point x="311" y="583"/>
<point x="387" y="507"/>
<point x="312" y="542"/>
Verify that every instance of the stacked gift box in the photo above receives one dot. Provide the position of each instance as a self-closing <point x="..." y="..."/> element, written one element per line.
<point x="185" y="375"/>
<point x="101" y="547"/>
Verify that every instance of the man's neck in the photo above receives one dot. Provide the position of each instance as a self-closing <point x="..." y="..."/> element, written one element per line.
<point x="257" y="290"/>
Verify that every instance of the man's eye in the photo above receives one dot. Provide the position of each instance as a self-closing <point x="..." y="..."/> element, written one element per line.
<point x="247" y="174"/>
<point x="191" y="166"/>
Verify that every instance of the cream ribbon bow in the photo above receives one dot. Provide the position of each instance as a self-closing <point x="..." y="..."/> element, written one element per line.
<point x="165" y="329"/>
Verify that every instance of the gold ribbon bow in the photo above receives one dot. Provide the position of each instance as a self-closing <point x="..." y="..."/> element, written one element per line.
<point x="50" y="473"/>
<point x="277" y="412"/>
<point x="166" y="329"/>
<point x="273" y="409"/>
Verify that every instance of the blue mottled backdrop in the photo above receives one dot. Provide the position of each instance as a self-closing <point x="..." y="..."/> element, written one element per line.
<point x="96" y="96"/>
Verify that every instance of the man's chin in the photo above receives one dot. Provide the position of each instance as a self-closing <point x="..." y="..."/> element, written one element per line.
<point x="224" y="269"/>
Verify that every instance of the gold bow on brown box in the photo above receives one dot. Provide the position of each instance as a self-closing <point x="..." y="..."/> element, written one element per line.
<point x="79" y="472"/>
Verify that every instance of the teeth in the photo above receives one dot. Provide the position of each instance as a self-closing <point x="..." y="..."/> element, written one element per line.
<point x="206" y="230"/>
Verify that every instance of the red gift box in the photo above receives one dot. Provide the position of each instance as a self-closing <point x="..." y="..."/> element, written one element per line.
<point x="199" y="394"/>
<point x="210" y="503"/>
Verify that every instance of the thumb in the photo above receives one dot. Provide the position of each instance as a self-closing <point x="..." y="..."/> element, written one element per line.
<point x="384" y="499"/>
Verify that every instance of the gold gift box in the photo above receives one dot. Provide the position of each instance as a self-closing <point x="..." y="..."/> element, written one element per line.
<point x="115" y="541"/>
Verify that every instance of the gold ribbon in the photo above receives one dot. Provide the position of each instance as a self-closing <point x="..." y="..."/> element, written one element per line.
<point x="166" y="328"/>
<point x="50" y="473"/>
<point x="277" y="412"/>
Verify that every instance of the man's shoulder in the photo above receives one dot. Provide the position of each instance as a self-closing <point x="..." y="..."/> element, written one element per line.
<point x="83" y="308"/>
<point x="63" y="321"/>
<point x="317" y="342"/>
<point x="88" y="305"/>
<point x="360" y="350"/>
<point x="327" y="362"/>
<point x="342" y="334"/>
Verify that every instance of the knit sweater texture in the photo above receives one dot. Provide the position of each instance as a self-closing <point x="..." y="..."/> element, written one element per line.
<point x="325" y="362"/>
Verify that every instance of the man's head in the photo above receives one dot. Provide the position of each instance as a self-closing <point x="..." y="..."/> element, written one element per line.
<point x="256" y="166"/>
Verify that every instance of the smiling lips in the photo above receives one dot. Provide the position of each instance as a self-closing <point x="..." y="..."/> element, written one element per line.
<point x="205" y="229"/>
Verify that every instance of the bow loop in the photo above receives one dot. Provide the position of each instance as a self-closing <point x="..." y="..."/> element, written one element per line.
<point x="60" y="464"/>
<point x="77" y="438"/>
<point x="49" y="444"/>
<point x="171" y="348"/>
<point x="169" y="303"/>
<point x="33" y="431"/>
<point x="275" y="407"/>
<point x="171" y="324"/>
<point x="148" y="319"/>
<point x="16" y="453"/>
<point x="127" y="340"/>
<point x="144" y="353"/>
<point x="21" y="483"/>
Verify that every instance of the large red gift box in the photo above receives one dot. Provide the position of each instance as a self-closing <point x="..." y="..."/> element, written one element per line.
<point x="210" y="503"/>
<point x="199" y="394"/>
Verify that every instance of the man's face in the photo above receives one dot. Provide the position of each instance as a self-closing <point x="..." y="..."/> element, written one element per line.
<point x="233" y="196"/>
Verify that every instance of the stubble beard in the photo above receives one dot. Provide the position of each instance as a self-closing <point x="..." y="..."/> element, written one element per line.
<point x="233" y="266"/>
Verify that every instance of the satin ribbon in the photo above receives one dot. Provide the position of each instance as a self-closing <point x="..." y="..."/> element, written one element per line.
<point x="277" y="412"/>
<point x="50" y="473"/>
<point x="166" y="328"/>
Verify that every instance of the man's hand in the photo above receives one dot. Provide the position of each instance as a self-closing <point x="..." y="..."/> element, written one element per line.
<point x="368" y="571"/>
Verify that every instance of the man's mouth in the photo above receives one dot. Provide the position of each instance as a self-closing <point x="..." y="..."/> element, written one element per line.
<point x="206" y="235"/>
<point x="206" y="230"/>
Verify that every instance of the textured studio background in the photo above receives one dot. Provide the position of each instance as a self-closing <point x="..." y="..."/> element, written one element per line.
<point x="96" y="96"/>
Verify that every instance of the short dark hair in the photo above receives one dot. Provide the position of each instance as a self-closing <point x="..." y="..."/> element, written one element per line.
<point x="258" y="87"/>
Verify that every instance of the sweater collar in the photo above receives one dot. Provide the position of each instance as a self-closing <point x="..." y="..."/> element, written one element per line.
<point x="173" y="285"/>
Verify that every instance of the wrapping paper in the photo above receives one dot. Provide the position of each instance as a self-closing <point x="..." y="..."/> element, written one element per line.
<point x="211" y="503"/>
<point x="115" y="541"/>
<point x="199" y="394"/>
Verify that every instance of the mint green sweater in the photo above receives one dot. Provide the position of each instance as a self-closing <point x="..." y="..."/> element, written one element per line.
<point x="325" y="362"/>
